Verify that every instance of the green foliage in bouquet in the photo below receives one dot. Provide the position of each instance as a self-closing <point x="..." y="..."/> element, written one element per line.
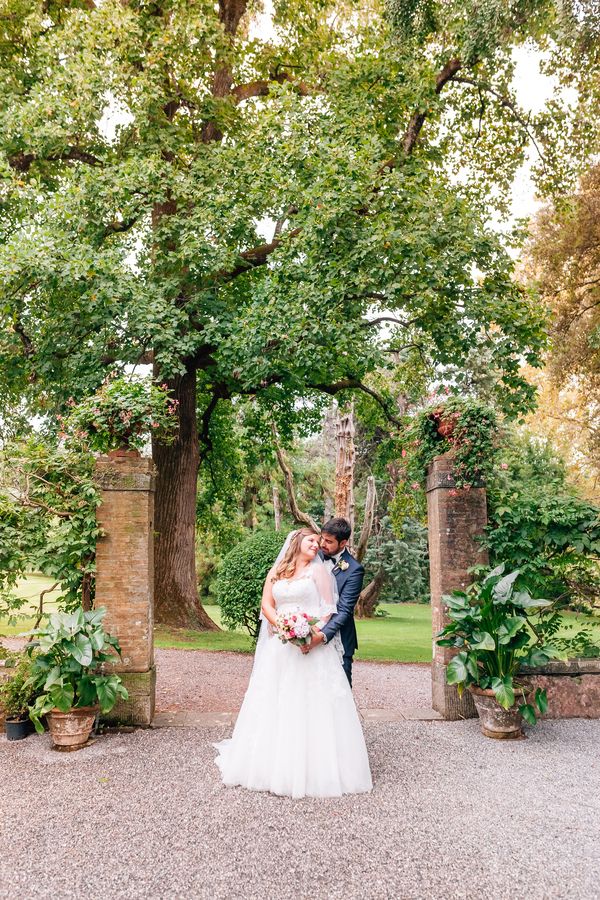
<point x="239" y="585"/>
<point x="66" y="664"/>
<point x="124" y="412"/>
<point x="491" y="625"/>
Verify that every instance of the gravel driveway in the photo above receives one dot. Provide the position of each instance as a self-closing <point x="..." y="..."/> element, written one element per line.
<point x="452" y="815"/>
<point x="206" y="681"/>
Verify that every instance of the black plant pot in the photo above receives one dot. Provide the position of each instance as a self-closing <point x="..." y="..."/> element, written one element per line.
<point x="17" y="729"/>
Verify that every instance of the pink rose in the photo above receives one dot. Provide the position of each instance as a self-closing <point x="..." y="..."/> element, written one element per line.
<point x="504" y="465"/>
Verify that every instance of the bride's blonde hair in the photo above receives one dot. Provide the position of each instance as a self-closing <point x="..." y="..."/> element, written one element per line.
<point x="287" y="566"/>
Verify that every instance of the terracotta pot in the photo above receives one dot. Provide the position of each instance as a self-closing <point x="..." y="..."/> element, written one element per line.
<point x="495" y="721"/>
<point x="71" y="730"/>
<point x="446" y="426"/>
<point x="123" y="452"/>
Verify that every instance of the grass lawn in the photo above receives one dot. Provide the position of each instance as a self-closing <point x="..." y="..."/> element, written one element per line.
<point x="402" y="636"/>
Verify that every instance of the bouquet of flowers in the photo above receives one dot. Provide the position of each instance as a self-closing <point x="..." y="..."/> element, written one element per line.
<point x="295" y="627"/>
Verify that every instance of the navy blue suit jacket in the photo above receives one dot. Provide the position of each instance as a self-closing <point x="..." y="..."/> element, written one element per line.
<point x="349" y="585"/>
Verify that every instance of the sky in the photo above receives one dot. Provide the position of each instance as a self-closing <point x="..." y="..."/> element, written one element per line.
<point x="533" y="90"/>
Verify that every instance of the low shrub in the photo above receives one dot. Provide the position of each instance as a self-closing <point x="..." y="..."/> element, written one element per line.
<point x="239" y="584"/>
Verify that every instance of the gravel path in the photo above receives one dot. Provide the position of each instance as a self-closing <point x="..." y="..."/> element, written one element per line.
<point x="452" y="815"/>
<point x="214" y="682"/>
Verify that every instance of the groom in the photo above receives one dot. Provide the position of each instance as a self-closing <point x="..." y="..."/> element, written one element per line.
<point x="349" y="576"/>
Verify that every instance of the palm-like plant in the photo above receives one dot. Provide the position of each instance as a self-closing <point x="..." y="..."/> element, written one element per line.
<point x="66" y="670"/>
<point x="491" y="625"/>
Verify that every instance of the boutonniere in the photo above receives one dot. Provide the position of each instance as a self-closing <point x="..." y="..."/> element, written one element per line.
<point x="341" y="566"/>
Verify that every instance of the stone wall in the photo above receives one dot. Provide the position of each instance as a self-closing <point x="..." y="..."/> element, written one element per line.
<point x="455" y="520"/>
<point x="125" y="577"/>
<point x="573" y="687"/>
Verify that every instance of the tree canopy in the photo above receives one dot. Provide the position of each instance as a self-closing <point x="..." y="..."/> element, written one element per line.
<point x="243" y="209"/>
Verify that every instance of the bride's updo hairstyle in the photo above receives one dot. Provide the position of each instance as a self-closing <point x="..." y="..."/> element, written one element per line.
<point x="287" y="566"/>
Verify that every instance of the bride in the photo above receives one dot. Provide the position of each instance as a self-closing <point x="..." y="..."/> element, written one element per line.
<point x="298" y="733"/>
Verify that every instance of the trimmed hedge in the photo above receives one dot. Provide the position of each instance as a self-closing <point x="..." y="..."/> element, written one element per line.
<point x="239" y="584"/>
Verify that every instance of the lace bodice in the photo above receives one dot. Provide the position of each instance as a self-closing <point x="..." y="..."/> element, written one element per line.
<point x="301" y="593"/>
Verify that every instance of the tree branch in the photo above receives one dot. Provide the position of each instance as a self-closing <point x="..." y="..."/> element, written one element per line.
<point x="417" y="121"/>
<point x="297" y="513"/>
<point x="28" y="348"/>
<point x="507" y="103"/>
<point x="367" y="527"/>
<point x="255" y="257"/>
<point x="354" y="383"/>
<point x="369" y="322"/>
<point x="22" y="162"/>
<point x="220" y="393"/>
<point x="262" y="87"/>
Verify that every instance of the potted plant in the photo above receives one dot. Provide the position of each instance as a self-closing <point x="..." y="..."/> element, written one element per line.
<point x="491" y="625"/>
<point x="121" y="416"/>
<point x="16" y="695"/>
<point x="66" y="672"/>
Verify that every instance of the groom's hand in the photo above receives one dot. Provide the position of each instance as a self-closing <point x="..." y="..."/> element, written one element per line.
<point x="316" y="639"/>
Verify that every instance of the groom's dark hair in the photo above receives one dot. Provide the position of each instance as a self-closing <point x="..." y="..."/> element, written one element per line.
<point x="339" y="528"/>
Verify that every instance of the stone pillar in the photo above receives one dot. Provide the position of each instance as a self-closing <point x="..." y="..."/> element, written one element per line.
<point x="125" y="577"/>
<point x="455" y="519"/>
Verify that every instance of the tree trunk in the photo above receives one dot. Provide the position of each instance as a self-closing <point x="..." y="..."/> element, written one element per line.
<point x="344" y="467"/>
<point x="276" y="508"/>
<point x="365" y="534"/>
<point x="369" y="597"/>
<point x="176" y="600"/>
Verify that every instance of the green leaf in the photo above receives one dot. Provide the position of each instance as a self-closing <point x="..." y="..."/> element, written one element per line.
<point x="456" y="671"/>
<point x="504" y="691"/>
<point x="536" y="657"/>
<point x="528" y="713"/>
<point x="541" y="700"/>
<point x="482" y="640"/>
<point x="54" y="677"/>
<point x="107" y="688"/>
<point x="509" y="628"/>
<point x="524" y="600"/>
<point x="81" y="649"/>
<point x="503" y="589"/>
<point x="62" y="696"/>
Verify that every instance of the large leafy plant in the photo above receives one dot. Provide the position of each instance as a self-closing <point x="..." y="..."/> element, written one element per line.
<point x="492" y="624"/>
<point x="67" y="669"/>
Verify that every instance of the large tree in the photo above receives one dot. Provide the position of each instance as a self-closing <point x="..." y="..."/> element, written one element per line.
<point x="564" y="261"/>
<point x="147" y="146"/>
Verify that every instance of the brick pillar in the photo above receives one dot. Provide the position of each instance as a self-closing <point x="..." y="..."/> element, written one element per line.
<point x="125" y="577"/>
<point x="454" y="521"/>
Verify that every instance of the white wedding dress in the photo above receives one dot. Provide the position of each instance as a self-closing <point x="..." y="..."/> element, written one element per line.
<point x="298" y="733"/>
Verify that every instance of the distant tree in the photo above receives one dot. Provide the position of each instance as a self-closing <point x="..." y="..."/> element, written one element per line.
<point x="564" y="263"/>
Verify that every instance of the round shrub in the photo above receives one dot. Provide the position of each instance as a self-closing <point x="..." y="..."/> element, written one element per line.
<point x="239" y="584"/>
